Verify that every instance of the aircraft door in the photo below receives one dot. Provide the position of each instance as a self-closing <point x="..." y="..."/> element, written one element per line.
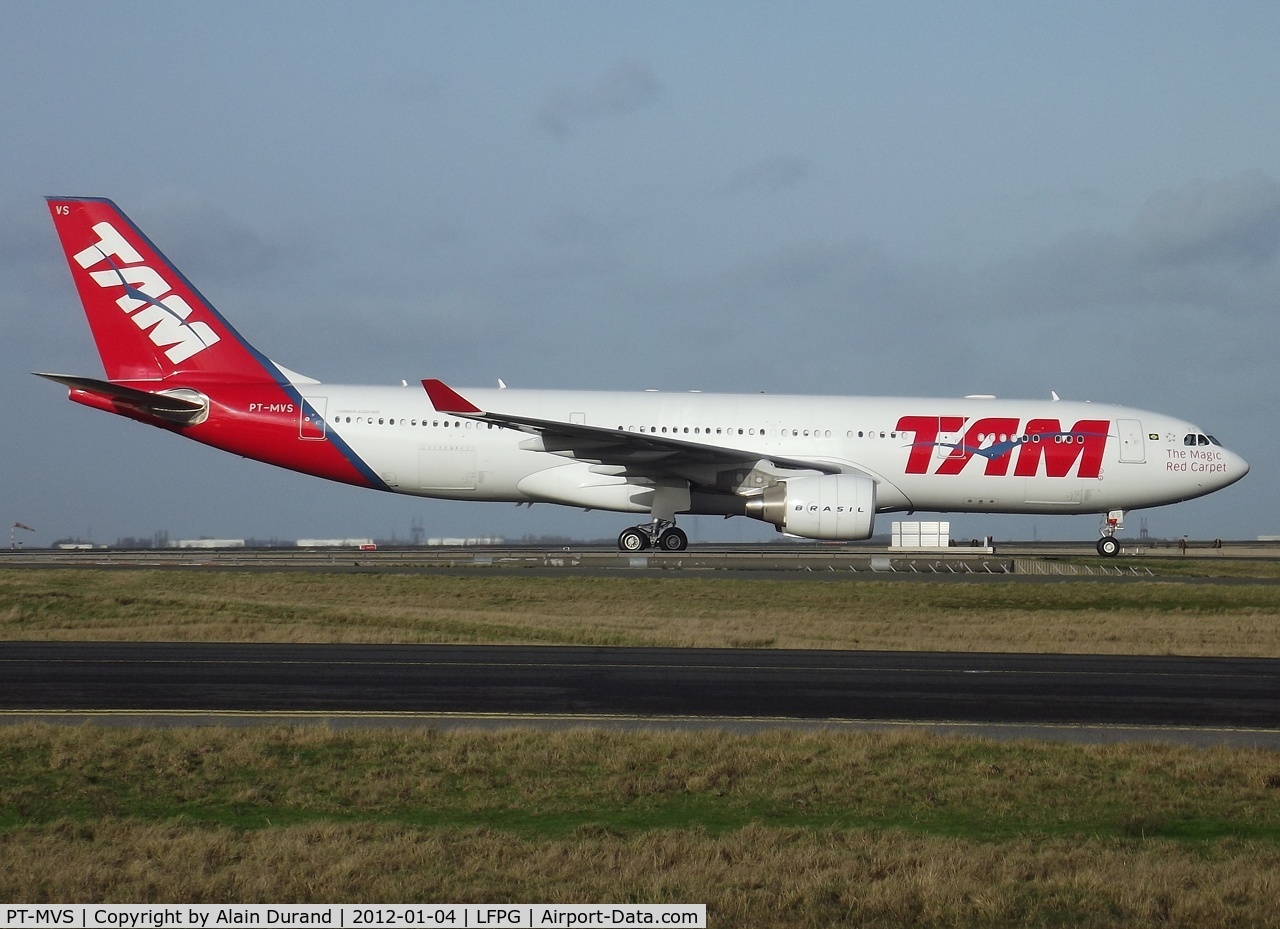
<point x="948" y="442"/>
<point x="1132" y="446"/>
<point x="447" y="467"/>
<point x="311" y="417"/>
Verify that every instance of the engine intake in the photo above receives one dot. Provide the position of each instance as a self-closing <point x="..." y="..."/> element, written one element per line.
<point x="833" y="506"/>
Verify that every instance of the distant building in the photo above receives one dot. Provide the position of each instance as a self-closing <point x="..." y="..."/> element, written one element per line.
<point x="334" y="543"/>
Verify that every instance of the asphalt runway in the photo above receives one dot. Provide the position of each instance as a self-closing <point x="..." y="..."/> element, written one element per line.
<point x="1235" y="700"/>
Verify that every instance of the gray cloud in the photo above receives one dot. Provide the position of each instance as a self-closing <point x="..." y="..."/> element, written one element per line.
<point x="26" y="235"/>
<point x="1236" y="220"/>
<point x="780" y="172"/>
<point x="414" y="89"/>
<point x="1077" y="315"/>
<point x="204" y="238"/>
<point x="624" y="88"/>
<point x="1208" y="246"/>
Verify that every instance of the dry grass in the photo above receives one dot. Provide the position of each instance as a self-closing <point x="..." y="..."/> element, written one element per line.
<point x="549" y="782"/>
<point x="775" y="829"/>
<point x="757" y="876"/>
<point x="1083" y="617"/>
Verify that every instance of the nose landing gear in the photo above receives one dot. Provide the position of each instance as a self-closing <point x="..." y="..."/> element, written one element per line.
<point x="1108" y="547"/>
<point x="660" y="534"/>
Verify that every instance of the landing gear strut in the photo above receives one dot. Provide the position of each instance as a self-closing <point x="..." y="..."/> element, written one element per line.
<point x="661" y="534"/>
<point x="1108" y="547"/>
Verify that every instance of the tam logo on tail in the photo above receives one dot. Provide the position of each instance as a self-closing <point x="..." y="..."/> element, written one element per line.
<point x="149" y="322"/>
<point x="148" y="298"/>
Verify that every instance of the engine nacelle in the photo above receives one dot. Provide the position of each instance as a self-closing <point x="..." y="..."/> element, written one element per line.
<point x="833" y="506"/>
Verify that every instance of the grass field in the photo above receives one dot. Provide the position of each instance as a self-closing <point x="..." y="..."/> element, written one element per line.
<point x="775" y="829"/>
<point x="778" y="829"/>
<point x="1148" y="617"/>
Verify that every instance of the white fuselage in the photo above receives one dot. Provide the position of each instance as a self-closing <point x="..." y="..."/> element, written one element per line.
<point x="931" y="454"/>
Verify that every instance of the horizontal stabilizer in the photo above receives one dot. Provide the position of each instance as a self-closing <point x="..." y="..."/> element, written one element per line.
<point x="179" y="409"/>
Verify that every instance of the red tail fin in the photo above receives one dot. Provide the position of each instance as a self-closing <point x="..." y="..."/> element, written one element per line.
<point x="149" y="323"/>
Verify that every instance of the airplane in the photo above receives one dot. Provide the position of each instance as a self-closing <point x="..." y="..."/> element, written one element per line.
<point x="814" y="467"/>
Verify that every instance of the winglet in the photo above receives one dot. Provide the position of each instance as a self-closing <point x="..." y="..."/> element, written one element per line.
<point x="447" y="400"/>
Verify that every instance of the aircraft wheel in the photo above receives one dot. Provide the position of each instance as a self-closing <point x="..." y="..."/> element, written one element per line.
<point x="1108" y="547"/>
<point x="633" y="540"/>
<point x="673" y="540"/>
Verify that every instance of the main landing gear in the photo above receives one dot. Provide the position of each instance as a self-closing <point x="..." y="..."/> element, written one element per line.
<point x="660" y="534"/>
<point x="1108" y="547"/>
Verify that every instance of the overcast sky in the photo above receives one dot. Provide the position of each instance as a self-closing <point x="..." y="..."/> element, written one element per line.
<point x="903" y="198"/>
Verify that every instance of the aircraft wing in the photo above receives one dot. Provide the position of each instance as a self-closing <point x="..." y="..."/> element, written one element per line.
<point x="642" y="450"/>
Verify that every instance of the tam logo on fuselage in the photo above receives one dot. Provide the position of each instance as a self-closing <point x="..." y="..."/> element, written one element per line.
<point x="1002" y="440"/>
<point x="148" y="298"/>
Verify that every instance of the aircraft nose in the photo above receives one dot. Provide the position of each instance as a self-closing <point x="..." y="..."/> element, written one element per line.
<point x="1237" y="467"/>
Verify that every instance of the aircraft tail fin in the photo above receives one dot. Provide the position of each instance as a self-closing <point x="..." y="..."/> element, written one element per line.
<point x="148" y="321"/>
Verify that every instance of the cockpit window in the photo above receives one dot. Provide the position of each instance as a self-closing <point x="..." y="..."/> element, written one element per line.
<point x="1189" y="439"/>
<point x="1214" y="441"/>
<point x="1195" y="438"/>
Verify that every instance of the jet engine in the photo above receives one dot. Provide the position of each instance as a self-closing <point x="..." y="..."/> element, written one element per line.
<point x="832" y="506"/>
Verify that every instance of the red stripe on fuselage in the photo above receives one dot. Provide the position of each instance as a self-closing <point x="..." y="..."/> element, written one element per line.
<point x="256" y="420"/>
